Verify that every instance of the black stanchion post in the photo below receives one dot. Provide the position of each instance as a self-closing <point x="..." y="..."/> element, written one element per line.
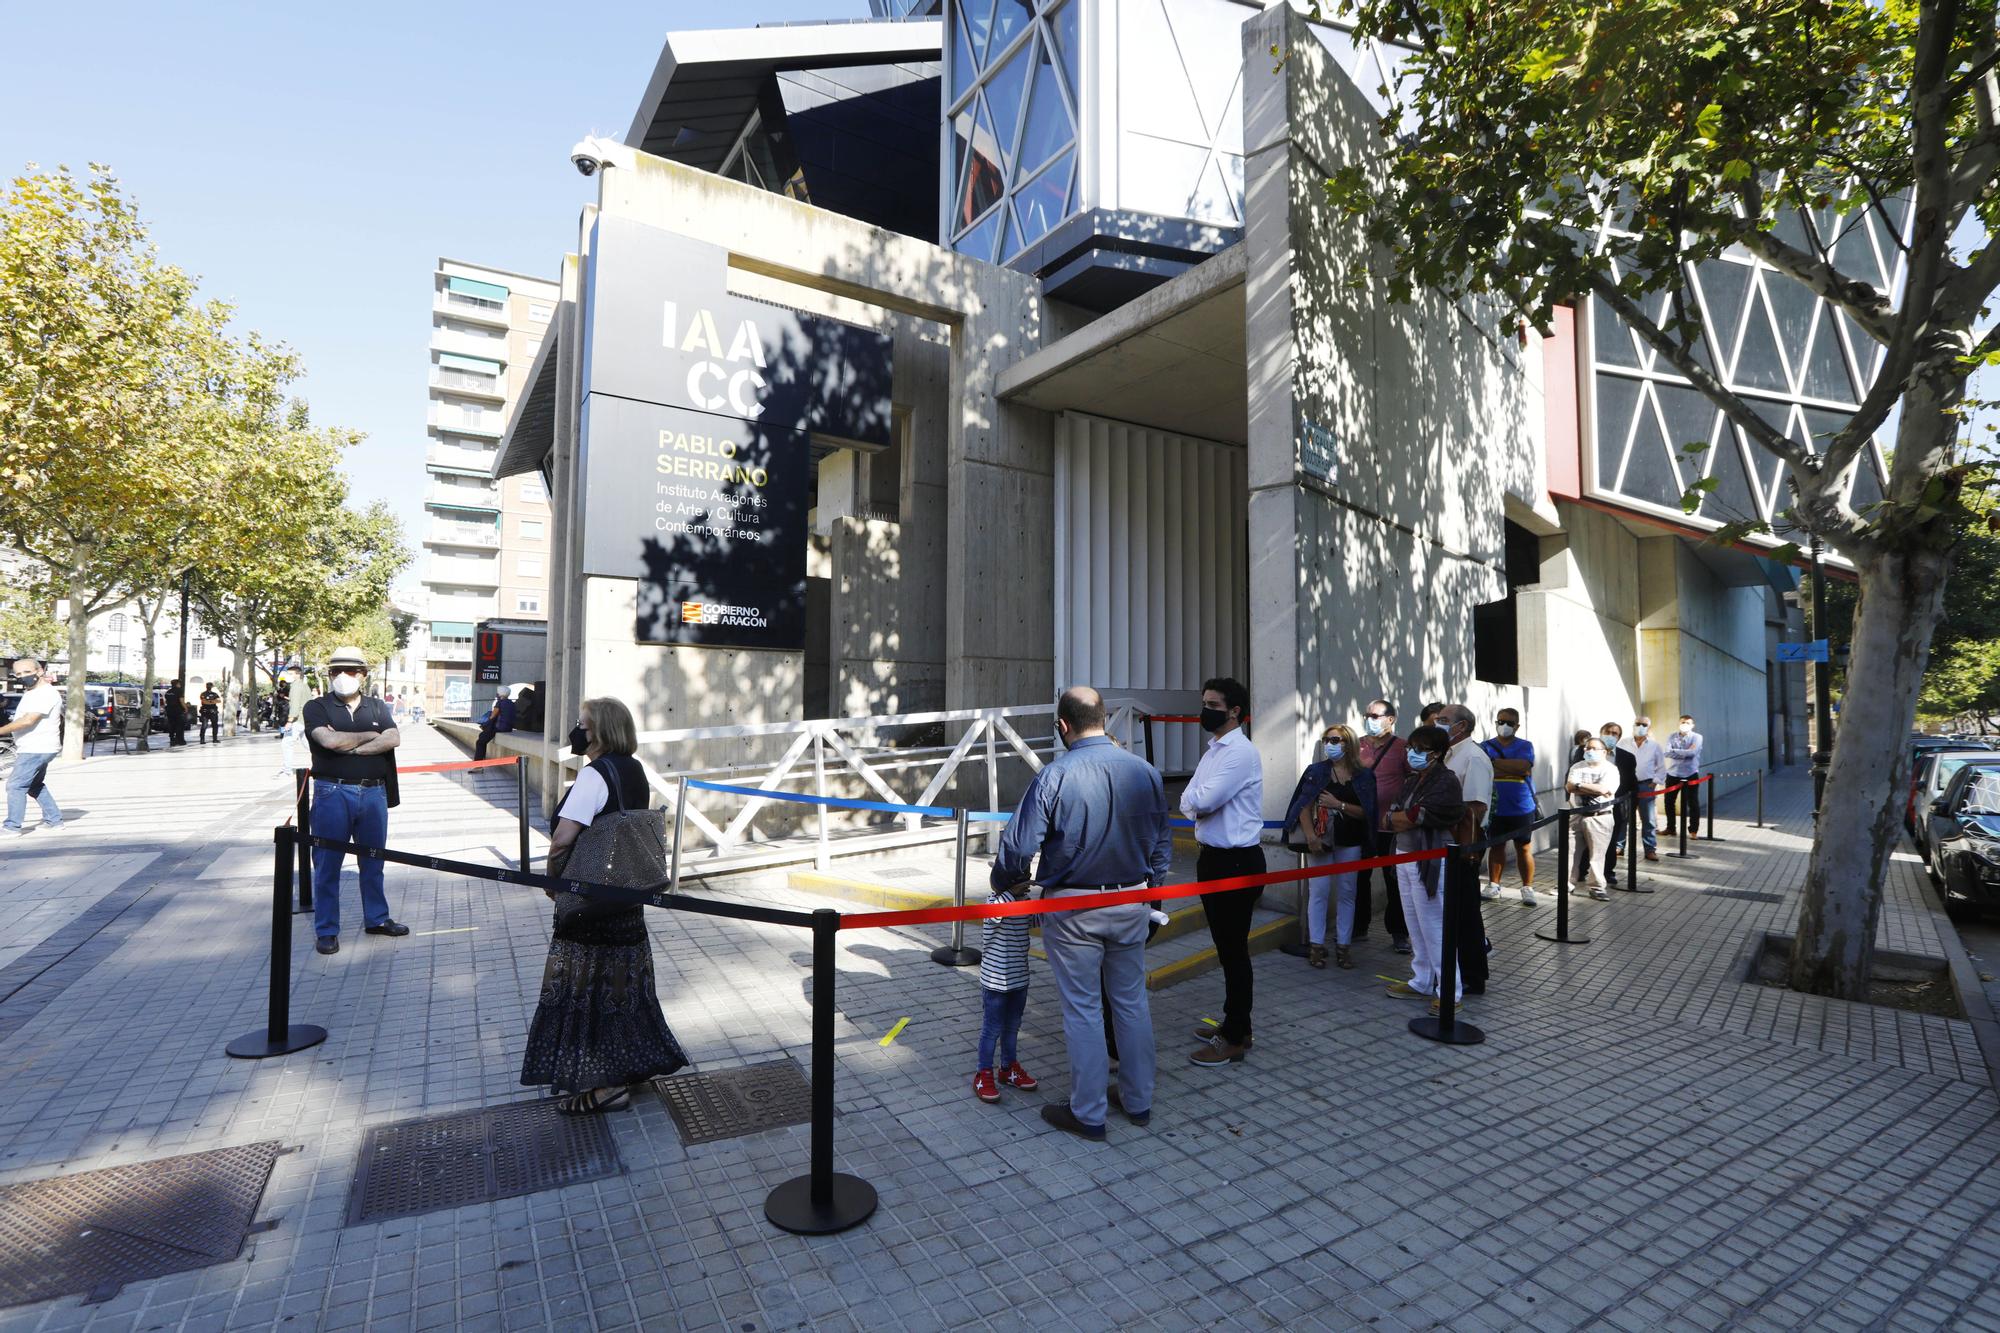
<point x="824" y="1200"/>
<point x="1634" y="844"/>
<point x="1562" y="935"/>
<point x="303" y="777"/>
<point x="279" y="1036"/>
<point x="1760" y="798"/>
<point x="1681" y="821"/>
<point x="1149" y="739"/>
<point x="1455" y="877"/>
<point x="521" y="795"/>
<point x="956" y="954"/>
<point x="1710" y="826"/>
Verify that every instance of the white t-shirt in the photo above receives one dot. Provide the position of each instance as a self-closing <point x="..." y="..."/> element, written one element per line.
<point x="1474" y="768"/>
<point x="587" y="796"/>
<point x="1602" y="775"/>
<point x="45" y="737"/>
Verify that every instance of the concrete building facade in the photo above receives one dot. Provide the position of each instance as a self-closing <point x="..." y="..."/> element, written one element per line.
<point x="1158" y="436"/>
<point x="486" y="542"/>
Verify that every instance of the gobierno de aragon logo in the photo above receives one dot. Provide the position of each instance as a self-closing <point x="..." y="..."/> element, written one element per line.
<point x="721" y="613"/>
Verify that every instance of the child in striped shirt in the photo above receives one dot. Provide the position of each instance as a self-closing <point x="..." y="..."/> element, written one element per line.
<point x="1003" y="985"/>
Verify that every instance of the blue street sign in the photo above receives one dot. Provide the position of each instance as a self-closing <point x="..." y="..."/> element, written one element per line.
<point x="1814" y="651"/>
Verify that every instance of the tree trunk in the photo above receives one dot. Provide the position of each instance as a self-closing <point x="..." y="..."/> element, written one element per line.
<point x="76" y="704"/>
<point x="249" y="637"/>
<point x="151" y="620"/>
<point x="1901" y="593"/>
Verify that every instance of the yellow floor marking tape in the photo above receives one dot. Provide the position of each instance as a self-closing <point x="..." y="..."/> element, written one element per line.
<point x="900" y="1023"/>
<point x="1391" y="980"/>
<point x="1211" y="1022"/>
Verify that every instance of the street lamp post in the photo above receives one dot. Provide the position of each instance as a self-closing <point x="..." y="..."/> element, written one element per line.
<point x="1822" y="681"/>
<point x="184" y="631"/>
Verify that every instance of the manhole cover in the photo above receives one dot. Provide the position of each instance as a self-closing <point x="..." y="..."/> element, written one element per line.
<point x="1745" y="895"/>
<point x="497" y="1152"/>
<point x="92" y="1232"/>
<point x="729" y="1103"/>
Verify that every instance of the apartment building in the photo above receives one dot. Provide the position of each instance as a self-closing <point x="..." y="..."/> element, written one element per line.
<point x="486" y="541"/>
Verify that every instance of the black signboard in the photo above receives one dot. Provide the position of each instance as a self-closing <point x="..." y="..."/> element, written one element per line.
<point x="695" y="457"/>
<point x="486" y="659"/>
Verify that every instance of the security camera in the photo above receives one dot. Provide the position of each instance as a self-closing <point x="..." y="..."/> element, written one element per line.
<point x="584" y="157"/>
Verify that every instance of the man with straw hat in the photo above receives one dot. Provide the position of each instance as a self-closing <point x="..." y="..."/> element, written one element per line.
<point x="353" y="739"/>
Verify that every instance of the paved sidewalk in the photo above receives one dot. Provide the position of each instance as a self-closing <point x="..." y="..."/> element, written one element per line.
<point x="1643" y="1142"/>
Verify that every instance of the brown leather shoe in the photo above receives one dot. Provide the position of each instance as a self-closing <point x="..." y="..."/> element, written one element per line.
<point x="1652" y="856"/>
<point x="1218" y="1053"/>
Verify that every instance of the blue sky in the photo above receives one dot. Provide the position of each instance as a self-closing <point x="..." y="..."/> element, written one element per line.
<point x="311" y="163"/>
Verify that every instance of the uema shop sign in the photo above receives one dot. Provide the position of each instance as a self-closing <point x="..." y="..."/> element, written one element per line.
<point x="486" y="657"/>
<point x="698" y="412"/>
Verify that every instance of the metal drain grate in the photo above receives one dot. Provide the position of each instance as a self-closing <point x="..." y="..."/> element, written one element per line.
<point x="729" y="1103"/>
<point x="92" y="1232"/>
<point x="497" y="1152"/>
<point x="1745" y="895"/>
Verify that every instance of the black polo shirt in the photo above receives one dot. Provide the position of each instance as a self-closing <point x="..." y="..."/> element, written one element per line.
<point x="369" y="714"/>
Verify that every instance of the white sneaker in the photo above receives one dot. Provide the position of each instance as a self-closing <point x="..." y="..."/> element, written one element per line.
<point x="1597" y="892"/>
<point x="1528" y="898"/>
<point x="1490" y="892"/>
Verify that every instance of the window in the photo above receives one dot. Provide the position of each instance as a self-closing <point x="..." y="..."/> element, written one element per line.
<point x="118" y="623"/>
<point x="117" y="652"/>
<point x="531" y="529"/>
<point x="541" y="314"/>
<point x="530" y="565"/>
<point x="1496" y="650"/>
<point x="197" y="648"/>
<point x="528" y="604"/>
<point x="1011" y="116"/>
<point x="532" y="489"/>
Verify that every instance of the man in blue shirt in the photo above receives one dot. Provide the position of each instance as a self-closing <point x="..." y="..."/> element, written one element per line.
<point x="499" y="718"/>
<point x="1514" y="807"/>
<point x="1097" y="820"/>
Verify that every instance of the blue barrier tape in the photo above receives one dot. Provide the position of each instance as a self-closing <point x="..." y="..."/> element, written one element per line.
<point x="1002" y="816"/>
<point x="838" y="803"/>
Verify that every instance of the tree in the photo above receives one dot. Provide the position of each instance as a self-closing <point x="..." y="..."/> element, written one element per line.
<point x="27" y="627"/>
<point x="1773" y="125"/>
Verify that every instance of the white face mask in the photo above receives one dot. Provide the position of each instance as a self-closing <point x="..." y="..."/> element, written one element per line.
<point x="1687" y="728"/>
<point x="1374" y="725"/>
<point x="1640" y="728"/>
<point x="1594" y="755"/>
<point x="346" y="686"/>
<point x="1505" y="728"/>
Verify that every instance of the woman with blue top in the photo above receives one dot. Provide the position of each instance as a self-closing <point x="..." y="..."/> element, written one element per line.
<point x="1330" y="817"/>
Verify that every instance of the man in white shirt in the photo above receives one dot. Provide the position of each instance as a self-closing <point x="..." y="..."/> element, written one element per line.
<point x="1474" y="769"/>
<point x="38" y="725"/>
<point x="1650" y="769"/>
<point x="1225" y="799"/>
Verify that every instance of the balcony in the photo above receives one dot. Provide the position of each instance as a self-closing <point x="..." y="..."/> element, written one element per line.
<point x="463" y="573"/>
<point x="466" y="608"/>
<point x="450" y="650"/>
<point x="449" y="416"/>
<point x="448" y="380"/>
<point x="439" y="492"/>
<point x="462" y="458"/>
<point x="483" y="535"/>
<point x="467" y="343"/>
<point x="457" y="305"/>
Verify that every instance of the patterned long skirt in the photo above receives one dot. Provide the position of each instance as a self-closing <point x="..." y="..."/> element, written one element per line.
<point x="599" y="1023"/>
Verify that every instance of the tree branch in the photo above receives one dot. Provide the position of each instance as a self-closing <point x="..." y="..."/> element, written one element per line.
<point x="1864" y="302"/>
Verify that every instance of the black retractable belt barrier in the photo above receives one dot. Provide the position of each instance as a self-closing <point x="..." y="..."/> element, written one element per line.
<point x="1634" y="847"/>
<point x="822" y="1201"/>
<point x="303" y="777"/>
<point x="1562" y="935"/>
<point x="1710" y="835"/>
<point x="521" y="789"/>
<point x="1455" y="878"/>
<point x="1682" y="820"/>
<point x="279" y="1035"/>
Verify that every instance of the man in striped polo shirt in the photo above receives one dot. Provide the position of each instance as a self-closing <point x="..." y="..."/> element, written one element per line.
<point x="1094" y="820"/>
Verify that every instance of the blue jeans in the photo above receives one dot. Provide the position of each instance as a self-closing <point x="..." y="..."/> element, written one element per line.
<point x="1647" y="830"/>
<point x="1001" y="1024"/>
<point x="27" y="768"/>
<point x="358" y="815"/>
<point x="1096" y="955"/>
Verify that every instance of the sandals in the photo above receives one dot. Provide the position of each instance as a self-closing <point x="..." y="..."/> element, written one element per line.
<point x="1316" y="955"/>
<point x="597" y="1101"/>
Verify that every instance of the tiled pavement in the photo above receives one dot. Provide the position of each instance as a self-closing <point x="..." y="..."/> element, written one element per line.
<point x="1643" y="1141"/>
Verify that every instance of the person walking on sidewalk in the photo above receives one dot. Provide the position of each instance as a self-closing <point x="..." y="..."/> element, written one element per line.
<point x="1383" y="754"/>
<point x="1003" y="996"/>
<point x="1094" y="819"/>
<point x="211" y="715"/>
<point x="1225" y="799"/>
<point x="1514" y="808"/>
<point x="1473" y="768"/>
<point x="1649" y="769"/>
<point x="1423" y="820"/>
<point x="1592" y="782"/>
<point x="1683" y="766"/>
<point x="38" y="725"/>
<point x="353" y="741"/>
<point x="1331" y="818"/>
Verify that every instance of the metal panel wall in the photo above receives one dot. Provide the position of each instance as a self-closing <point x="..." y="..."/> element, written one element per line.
<point x="1151" y="572"/>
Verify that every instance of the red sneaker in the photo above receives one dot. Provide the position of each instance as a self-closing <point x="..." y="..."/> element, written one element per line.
<point x="984" y="1088"/>
<point x="1016" y="1077"/>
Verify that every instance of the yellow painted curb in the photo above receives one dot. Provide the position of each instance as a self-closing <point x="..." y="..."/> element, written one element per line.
<point x="822" y="885"/>
<point x="1262" y="940"/>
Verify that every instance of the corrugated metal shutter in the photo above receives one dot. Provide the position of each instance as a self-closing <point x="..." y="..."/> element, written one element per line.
<point x="1152" y="575"/>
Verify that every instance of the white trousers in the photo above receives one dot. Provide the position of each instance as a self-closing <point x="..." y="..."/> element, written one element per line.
<point x="1424" y="914"/>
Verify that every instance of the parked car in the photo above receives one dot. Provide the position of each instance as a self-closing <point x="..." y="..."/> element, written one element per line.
<point x="1922" y="764"/>
<point x="8" y="702"/>
<point x="1937" y="768"/>
<point x="1965" y="841"/>
<point x="1949" y="775"/>
<point x="106" y="707"/>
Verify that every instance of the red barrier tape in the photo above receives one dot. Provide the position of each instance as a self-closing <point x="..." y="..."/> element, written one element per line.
<point x="463" y="763"/>
<point x="1035" y="906"/>
<point x="1683" y="786"/>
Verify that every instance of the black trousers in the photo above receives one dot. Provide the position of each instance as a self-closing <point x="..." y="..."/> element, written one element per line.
<point x="1692" y="797"/>
<point x="1469" y="926"/>
<point x="486" y="735"/>
<point x="211" y="725"/>
<point x="1392" y="902"/>
<point x="1229" y="913"/>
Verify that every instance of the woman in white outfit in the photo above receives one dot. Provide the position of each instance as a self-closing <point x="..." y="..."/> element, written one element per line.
<point x="1592" y="782"/>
